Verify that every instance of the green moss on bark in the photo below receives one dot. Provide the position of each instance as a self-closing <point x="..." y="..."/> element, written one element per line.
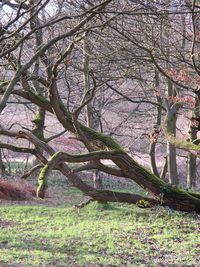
<point x="42" y="182"/>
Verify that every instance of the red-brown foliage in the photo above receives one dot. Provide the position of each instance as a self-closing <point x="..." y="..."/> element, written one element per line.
<point x="16" y="191"/>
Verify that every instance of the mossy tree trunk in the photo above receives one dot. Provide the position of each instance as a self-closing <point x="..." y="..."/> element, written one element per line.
<point x="38" y="130"/>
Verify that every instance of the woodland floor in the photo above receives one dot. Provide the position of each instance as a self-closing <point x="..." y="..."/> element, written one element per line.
<point x="52" y="232"/>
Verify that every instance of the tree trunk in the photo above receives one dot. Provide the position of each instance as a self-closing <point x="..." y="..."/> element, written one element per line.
<point x="97" y="180"/>
<point x="192" y="163"/>
<point x="38" y="131"/>
<point x="193" y="130"/>
<point x="172" y="165"/>
<point x="89" y="109"/>
<point x="164" y="170"/>
<point x="191" y="171"/>
<point x="152" y="148"/>
<point x="2" y="166"/>
<point x="171" y="149"/>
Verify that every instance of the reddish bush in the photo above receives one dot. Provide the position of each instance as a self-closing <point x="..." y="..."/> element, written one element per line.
<point x="16" y="191"/>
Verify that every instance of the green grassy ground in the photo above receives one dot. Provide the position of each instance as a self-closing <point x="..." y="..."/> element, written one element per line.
<point x="54" y="233"/>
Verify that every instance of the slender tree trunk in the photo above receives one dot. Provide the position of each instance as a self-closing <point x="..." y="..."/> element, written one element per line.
<point x="152" y="148"/>
<point x="164" y="170"/>
<point x="2" y="166"/>
<point x="89" y="109"/>
<point x="97" y="180"/>
<point x="193" y="130"/>
<point x="171" y="149"/>
<point x="191" y="171"/>
<point x="39" y="118"/>
<point x="172" y="164"/>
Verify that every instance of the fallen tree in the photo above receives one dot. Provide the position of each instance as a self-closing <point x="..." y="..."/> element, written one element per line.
<point x="162" y="193"/>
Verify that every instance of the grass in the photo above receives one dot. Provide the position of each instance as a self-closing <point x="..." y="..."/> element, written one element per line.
<point x="54" y="233"/>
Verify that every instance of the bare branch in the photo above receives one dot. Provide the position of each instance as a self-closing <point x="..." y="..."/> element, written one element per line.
<point x="18" y="149"/>
<point x="31" y="171"/>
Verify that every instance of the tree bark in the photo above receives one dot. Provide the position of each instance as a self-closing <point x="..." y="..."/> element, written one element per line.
<point x="152" y="148"/>
<point x="89" y="108"/>
<point x="2" y="166"/>
<point x="171" y="148"/>
<point x="192" y="163"/>
<point x="194" y="127"/>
